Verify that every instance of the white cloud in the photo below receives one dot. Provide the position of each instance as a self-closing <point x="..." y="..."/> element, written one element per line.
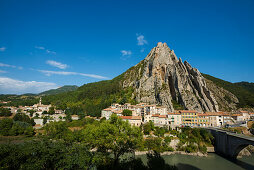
<point x="10" y="66"/>
<point x="12" y="86"/>
<point x="2" y="48"/>
<point x="40" y="48"/>
<point x="65" y="73"/>
<point x="7" y="65"/>
<point x="44" y="49"/>
<point x="57" y="64"/>
<point x="2" y="71"/>
<point x="142" y="50"/>
<point x="125" y="52"/>
<point x="141" y="39"/>
<point x="50" y="52"/>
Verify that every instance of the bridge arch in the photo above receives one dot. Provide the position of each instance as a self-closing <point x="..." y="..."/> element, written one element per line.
<point x="238" y="149"/>
<point x="229" y="144"/>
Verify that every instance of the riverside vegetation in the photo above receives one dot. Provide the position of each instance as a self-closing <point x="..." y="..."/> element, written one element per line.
<point x="88" y="143"/>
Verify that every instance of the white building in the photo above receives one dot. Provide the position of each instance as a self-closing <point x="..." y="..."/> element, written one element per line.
<point x="175" y="119"/>
<point x="133" y="120"/>
<point x="107" y="113"/>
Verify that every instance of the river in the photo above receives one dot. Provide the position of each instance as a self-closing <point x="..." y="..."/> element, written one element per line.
<point x="211" y="162"/>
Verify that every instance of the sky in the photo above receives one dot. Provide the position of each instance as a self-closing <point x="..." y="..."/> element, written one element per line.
<point x="46" y="44"/>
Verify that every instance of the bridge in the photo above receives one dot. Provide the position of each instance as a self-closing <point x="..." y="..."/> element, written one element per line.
<point x="229" y="144"/>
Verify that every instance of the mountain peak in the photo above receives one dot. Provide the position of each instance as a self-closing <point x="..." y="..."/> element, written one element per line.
<point x="160" y="44"/>
<point x="163" y="79"/>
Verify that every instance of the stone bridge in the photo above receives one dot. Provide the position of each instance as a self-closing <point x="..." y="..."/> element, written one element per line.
<point x="229" y="144"/>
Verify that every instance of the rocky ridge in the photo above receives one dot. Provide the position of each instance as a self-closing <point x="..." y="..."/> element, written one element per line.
<point x="163" y="79"/>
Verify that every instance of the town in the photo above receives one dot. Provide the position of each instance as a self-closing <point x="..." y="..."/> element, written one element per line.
<point x="140" y="114"/>
<point x="143" y="113"/>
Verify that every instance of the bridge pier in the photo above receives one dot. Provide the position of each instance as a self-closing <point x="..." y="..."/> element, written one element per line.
<point x="229" y="144"/>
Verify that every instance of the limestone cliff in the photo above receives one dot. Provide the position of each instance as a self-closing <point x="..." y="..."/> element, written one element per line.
<point x="226" y="100"/>
<point x="163" y="79"/>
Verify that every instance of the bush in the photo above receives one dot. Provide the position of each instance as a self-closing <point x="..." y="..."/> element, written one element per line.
<point x="153" y="144"/>
<point x="127" y="112"/>
<point x="23" y="118"/>
<point x="8" y="127"/>
<point x="5" y="126"/>
<point x="4" y="112"/>
<point x="168" y="139"/>
<point x="202" y="149"/>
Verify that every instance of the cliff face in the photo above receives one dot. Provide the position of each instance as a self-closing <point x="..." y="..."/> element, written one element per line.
<point x="163" y="79"/>
<point x="225" y="99"/>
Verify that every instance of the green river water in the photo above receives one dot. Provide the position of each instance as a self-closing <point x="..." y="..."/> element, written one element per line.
<point x="212" y="162"/>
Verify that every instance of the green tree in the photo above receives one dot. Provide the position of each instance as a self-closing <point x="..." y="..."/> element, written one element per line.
<point x="123" y="100"/>
<point x="23" y="118"/>
<point x="148" y="127"/>
<point x="5" y="126"/>
<point x="45" y="119"/>
<point x="127" y="112"/>
<point x="5" y="112"/>
<point x="56" y="130"/>
<point x="51" y="110"/>
<point x="117" y="135"/>
<point x="153" y="144"/>
<point x="31" y="112"/>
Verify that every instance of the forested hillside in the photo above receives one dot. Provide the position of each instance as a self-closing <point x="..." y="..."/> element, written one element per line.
<point x="91" y="98"/>
<point x="248" y="86"/>
<point x="59" y="90"/>
<point x="243" y="91"/>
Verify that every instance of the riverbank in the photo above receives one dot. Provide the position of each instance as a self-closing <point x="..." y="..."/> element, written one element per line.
<point x="140" y="153"/>
<point x="210" y="162"/>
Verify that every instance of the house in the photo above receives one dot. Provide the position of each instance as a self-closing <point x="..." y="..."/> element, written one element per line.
<point x="189" y="118"/>
<point x="216" y="119"/>
<point x="38" y="122"/>
<point x="133" y="120"/>
<point x="203" y="120"/>
<point x="245" y="114"/>
<point x="174" y="119"/>
<point x="107" y="113"/>
<point x="74" y="117"/>
<point x="251" y="116"/>
<point x="237" y="117"/>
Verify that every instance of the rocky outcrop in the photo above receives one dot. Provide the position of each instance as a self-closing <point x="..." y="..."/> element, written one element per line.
<point x="163" y="79"/>
<point x="246" y="151"/>
<point x="226" y="100"/>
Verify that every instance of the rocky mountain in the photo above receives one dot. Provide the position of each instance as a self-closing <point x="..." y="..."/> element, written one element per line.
<point x="163" y="79"/>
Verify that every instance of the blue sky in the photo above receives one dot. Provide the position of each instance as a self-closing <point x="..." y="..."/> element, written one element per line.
<point x="45" y="44"/>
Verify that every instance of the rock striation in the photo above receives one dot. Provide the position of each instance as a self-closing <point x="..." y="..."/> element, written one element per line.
<point x="163" y="79"/>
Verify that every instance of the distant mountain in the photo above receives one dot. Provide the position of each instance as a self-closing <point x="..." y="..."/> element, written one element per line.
<point x="59" y="90"/>
<point x="246" y="85"/>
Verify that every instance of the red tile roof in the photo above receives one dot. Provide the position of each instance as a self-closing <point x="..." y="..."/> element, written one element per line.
<point x="108" y="109"/>
<point x="155" y="115"/>
<point x="131" y="117"/>
<point x="236" y="115"/>
<point x="174" y="113"/>
<point x="187" y="111"/>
